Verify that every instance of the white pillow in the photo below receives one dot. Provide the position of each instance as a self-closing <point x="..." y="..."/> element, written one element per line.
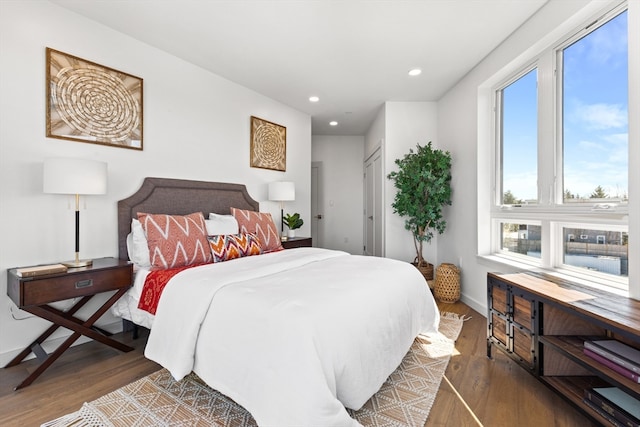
<point x="221" y="224"/>
<point x="137" y="245"/>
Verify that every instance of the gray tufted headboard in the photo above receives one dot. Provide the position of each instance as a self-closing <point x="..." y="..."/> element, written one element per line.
<point x="179" y="197"/>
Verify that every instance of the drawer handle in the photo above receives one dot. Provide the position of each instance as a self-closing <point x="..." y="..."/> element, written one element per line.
<point x="84" y="283"/>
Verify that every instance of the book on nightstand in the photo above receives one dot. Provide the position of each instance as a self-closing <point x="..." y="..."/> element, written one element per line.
<point x="40" y="270"/>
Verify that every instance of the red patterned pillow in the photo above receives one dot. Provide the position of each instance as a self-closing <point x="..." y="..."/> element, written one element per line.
<point x="262" y="225"/>
<point x="176" y="240"/>
<point x="229" y="246"/>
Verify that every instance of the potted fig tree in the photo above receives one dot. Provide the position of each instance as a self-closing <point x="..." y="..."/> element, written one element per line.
<point x="423" y="184"/>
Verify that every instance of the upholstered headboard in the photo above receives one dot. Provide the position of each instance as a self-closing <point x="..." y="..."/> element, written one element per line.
<point x="179" y="197"/>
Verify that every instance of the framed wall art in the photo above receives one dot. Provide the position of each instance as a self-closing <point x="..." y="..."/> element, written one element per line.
<point x="88" y="102"/>
<point x="268" y="145"/>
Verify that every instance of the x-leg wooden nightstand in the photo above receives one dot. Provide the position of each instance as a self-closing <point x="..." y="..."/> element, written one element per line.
<point x="34" y="294"/>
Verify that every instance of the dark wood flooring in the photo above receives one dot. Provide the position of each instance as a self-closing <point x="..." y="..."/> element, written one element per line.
<point x="475" y="391"/>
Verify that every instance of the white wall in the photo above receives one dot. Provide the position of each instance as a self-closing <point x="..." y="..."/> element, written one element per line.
<point x="400" y="126"/>
<point x="375" y="134"/>
<point x="341" y="199"/>
<point x="406" y="125"/>
<point x="196" y="126"/>
<point x="459" y="124"/>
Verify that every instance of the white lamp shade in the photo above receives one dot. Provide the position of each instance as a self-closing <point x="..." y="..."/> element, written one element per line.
<point x="74" y="176"/>
<point x="281" y="191"/>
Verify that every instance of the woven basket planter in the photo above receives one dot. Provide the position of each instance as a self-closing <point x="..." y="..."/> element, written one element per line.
<point x="426" y="270"/>
<point x="447" y="286"/>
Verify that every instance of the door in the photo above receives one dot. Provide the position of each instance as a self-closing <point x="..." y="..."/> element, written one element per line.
<point x="369" y="200"/>
<point x="316" y="197"/>
<point x="373" y="205"/>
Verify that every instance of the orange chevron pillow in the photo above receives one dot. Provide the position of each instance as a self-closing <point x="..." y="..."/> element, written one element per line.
<point x="225" y="247"/>
<point x="262" y="225"/>
<point x="176" y="240"/>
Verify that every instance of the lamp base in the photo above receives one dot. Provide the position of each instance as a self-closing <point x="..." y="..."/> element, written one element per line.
<point x="78" y="263"/>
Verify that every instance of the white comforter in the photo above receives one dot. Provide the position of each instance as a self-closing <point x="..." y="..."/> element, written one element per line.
<point x="293" y="336"/>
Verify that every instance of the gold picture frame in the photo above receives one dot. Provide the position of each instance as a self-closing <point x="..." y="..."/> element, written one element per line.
<point x="88" y="102"/>
<point x="268" y="145"/>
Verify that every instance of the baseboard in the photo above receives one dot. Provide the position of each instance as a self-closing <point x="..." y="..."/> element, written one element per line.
<point x="481" y="308"/>
<point x="51" y="344"/>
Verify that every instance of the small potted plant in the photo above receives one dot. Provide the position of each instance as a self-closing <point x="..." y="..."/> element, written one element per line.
<point x="292" y="222"/>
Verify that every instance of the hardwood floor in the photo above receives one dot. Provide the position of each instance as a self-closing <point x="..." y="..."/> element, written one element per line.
<point x="475" y="391"/>
<point x="81" y="374"/>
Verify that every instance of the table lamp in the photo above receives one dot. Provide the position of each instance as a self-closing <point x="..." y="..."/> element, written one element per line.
<point x="282" y="191"/>
<point x="75" y="176"/>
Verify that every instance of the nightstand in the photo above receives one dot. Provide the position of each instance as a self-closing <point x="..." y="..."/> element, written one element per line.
<point x="297" y="242"/>
<point x="33" y="294"/>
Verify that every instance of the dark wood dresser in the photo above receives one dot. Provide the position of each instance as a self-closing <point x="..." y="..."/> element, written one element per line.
<point x="542" y="323"/>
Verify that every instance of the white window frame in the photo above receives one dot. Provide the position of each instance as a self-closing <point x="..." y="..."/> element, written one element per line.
<point x="550" y="213"/>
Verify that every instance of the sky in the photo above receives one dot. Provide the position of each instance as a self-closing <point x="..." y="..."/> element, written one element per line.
<point x="595" y="131"/>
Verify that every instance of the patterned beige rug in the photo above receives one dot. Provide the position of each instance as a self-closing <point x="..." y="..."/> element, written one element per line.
<point x="405" y="399"/>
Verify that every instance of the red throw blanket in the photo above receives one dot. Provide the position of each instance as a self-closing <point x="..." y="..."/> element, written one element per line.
<point x="154" y="284"/>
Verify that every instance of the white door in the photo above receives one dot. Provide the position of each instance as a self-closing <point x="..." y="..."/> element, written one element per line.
<point x="373" y="205"/>
<point x="369" y="200"/>
<point x="316" y="197"/>
<point x="378" y="207"/>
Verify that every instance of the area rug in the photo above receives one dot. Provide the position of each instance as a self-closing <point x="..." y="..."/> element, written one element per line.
<point x="404" y="400"/>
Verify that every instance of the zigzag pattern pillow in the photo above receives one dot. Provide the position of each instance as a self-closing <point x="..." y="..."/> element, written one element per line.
<point x="231" y="246"/>
<point x="176" y="240"/>
<point x="262" y="225"/>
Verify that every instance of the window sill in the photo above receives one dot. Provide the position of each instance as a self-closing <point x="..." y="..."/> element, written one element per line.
<point x="502" y="262"/>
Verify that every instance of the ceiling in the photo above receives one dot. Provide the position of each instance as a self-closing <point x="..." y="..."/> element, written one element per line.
<point x="353" y="54"/>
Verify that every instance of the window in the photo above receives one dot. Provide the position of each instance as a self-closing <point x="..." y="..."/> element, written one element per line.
<point x="603" y="251"/>
<point x="594" y="89"/>
<point x="518" y="138"/>
<point x="560" y="188"/>
<point x="522" y="239"/>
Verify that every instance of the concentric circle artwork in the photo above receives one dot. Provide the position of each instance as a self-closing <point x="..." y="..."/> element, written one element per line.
<point x="91" y="103"/>
<point x="268" y="145"/>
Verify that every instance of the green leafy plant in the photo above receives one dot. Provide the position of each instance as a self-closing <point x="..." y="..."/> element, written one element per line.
<point x="293" y="221"/>
<point x="423" y="181"/>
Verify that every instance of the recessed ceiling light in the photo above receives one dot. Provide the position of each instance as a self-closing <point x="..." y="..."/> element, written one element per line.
<point x="314" y="99"/>
<point x="333" y="123"/>
<point x="415" y="72"/>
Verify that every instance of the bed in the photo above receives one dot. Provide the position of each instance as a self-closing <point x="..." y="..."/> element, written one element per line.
<point x="294" y="335"/>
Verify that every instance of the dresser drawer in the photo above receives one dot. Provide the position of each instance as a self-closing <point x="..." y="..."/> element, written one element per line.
<point x="499" y="329"/>
<point x="522" y="311"/>
<point x="499" y="300"/>
<point x="523" y="344"/>
<point x="50" y="289"/>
